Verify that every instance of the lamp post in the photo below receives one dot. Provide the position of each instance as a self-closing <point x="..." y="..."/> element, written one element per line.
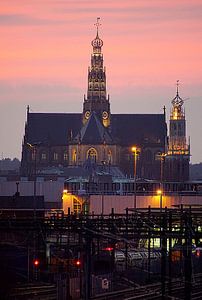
<point x="160" y="193"/>
<point x="135" y="151"/>
<point x="33" y="147"/>
<point x="161" y="156"/>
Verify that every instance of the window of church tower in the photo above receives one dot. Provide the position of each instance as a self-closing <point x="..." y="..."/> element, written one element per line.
<point x="92" y="154"/>
<point x="55" y="156"/>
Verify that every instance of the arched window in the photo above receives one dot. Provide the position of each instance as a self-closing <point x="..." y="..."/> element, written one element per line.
<point x="74" y="156"/>
<point x="92" y="154"/>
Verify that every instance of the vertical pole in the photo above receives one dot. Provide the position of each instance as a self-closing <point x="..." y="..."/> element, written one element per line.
<point x="161" y="204"/>
<point x="163" y="252"/>
<point x="88" y="269"/>
<point x="149" y="245"/>
<point x="135" y="171"/>
<point x="161" y="183"/>
<point x="34" y="233"/>
<point x="35" y="171"/>
<point x="187" y="257"/>
<point x="102" y="202"/>
<point x="28" y="265"/>
<point x="170" y="255"/>
<point x="126" y="243"/>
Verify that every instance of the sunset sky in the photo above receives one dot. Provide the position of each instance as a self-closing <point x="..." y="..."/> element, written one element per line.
<point x="45" y="52"/>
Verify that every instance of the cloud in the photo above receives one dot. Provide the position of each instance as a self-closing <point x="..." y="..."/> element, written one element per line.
<point x="25" y="20"/>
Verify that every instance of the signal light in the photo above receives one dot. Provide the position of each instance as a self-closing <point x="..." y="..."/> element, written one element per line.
<point x="198" y="253"/>
<point x="109" y="249"/>
<point x="36" y="262"/>
<point x="78" y="263"/>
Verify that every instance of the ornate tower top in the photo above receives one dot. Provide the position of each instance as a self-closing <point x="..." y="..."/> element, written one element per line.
<point x="97" y="43"/>
<point x="177" y="111"/>
<point x="177" y="136"/>
<point x="97" y="100"/>
<point x="178" y="153"/>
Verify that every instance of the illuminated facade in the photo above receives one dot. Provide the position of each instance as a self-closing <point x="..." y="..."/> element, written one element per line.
<point x="178" y="153"/>
<point x="96" y="137"/>
<point x="97" y="99"/>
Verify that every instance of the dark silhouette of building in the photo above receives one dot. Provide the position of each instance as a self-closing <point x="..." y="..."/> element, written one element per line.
<point x="72" y="139"/>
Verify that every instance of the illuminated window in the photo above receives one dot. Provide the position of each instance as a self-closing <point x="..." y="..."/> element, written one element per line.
<point x="55" y="156"/>
<point x="74" y="156"/>
<point x="76" y="206"/>
<point x="92" y="154"/>
<point x="65" y="156"/>
<point x="43" y="156"/>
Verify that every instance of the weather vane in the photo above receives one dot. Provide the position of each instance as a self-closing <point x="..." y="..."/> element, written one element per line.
<point x="177" y="85"/>
<point x="97" y="24"/>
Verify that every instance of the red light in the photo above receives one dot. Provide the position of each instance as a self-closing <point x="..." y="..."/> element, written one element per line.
<point x="197" y="253"/>
<point x="36" y="262"/>
<point x="78" y="263"/>
<point x="109" y="248"/>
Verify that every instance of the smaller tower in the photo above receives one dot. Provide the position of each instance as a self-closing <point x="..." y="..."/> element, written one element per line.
<point x="178" y="152"/>
<point x="97" y="100"/>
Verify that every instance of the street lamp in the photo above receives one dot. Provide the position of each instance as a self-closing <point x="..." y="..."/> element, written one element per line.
<point x="33" y="147"/>
<point x="135" y="150"/>
<point x="160" y="193"/>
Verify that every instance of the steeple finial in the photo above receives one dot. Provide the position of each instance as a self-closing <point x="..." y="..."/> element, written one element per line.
<point x="177" y="84"/>
<point x="97" y="24"/>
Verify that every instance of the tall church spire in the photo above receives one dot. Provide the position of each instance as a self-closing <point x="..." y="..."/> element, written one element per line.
<point x="97" y="99"/>
<point x="178" y="150"/>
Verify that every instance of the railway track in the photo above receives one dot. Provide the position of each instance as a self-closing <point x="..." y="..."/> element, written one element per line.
<point x="153" y="291"/>
<point x="43" y="292"/>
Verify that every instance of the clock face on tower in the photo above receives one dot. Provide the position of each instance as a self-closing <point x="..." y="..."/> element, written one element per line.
<point x="105" y="115"/>
<point x="87" y="114"/>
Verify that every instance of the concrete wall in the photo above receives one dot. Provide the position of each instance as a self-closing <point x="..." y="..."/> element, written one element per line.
<point x="99" y="204"/>
<point x="51" y="190"/>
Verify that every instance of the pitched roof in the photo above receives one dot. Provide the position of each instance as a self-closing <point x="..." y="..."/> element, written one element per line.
<point x="52" y="128"/>
<point x="93" y="132"/>
<point x="126" y="129"/>
<point x="139" y="128"/>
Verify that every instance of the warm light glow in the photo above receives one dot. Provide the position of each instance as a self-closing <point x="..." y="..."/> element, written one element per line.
<point x="65" y="191"/>
<point x="134" y="149"/>
<point x="159" y="192"/>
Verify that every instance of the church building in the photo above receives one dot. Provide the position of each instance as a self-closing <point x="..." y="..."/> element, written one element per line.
<point x="97" y="137"/>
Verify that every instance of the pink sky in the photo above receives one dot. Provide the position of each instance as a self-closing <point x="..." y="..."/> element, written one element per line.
<point x="148" y="45"/>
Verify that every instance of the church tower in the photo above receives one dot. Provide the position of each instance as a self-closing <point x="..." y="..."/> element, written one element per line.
<point x="178" y="154"/>
<point x="97" y="100"/>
